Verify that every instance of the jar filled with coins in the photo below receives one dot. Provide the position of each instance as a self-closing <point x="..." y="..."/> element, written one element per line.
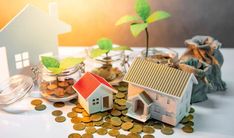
<point x="57" y="87"/>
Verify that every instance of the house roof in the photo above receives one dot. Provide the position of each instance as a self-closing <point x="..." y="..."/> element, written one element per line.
<point x="144" y="96"/>
<point x="88" y="83"/>
<point x="35" y="15"/>
<point x="157" y="77"/>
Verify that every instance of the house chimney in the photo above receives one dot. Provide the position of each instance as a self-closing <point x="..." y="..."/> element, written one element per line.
<point x="53" y="9"/>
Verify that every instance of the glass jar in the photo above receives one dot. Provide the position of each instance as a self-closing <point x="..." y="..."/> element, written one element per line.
<point x="162" y="56"/>
<point x="58" y="87"/>
<point x="12" y="91"/>
<point x="111" y="67"/>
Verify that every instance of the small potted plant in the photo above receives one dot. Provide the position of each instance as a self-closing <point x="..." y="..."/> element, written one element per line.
<point x="56" y="77"/>
<point x="107" y="55"/>
<point x="141" y="22"/>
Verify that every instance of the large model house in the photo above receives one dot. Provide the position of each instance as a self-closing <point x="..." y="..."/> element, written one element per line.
<point x="158" y="91"/>
<point x="95" y="94"/>
<point x="31" y="34"/>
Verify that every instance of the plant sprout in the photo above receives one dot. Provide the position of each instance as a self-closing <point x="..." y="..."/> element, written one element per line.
<point x="104" y="47"/>
<point x="142" y="21"/>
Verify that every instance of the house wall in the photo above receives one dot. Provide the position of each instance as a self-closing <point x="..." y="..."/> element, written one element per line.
<point x="134" y="90"/>
<point x="4" y="72"/>
<point x="100" y="92"/>
<point x="83" y="103"/>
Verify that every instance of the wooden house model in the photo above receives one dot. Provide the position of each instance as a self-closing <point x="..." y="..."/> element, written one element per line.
<point x="95" y="94"/>
<point x="158" y="91"/>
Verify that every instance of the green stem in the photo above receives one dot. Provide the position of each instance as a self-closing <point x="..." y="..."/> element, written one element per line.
<point x="147" y="42"/>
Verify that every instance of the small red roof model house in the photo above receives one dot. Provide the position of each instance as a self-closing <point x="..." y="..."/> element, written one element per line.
<point x="95" y="94"/>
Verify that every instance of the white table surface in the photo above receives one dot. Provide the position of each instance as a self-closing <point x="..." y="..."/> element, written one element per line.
<point x="213" y="118"/>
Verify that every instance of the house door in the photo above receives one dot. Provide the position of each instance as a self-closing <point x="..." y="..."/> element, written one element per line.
<point x="106" y="102"/>
<point x="139" y="107"/>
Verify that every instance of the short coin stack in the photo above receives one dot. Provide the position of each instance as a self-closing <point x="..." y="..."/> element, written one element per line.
<point x="39" y="106"/>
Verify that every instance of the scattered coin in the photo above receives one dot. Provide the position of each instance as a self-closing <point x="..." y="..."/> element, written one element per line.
<point x="101" y="131"/>
<point x="136" y="129"/>
<point x="76" y="120"/>
<point x="74" y="135"/>
<point x="127" y="125"/>
<point x="72" y="114"/>
<point x="157" y="125"/>
<point x="40" y="107"/>
<point x="121" y="136"/>
<point x="126" y="119"/>
<point x="96" y="117"/>
<point x="113" y="132"/>
<point x="90" y="130"/>
<point x="148" y="136"/>
<point x="167" y="130"/>
<point x="79" y="126"/>
<point x="78" y="110"/>
<point x="98" y="123"/>
<point x="36" y="102"/>
<point x="87" y="135"/>
<point x="59" y="104"/>
<point x="148" y="129"/>
<point x="115" y="113"/>
<point x="106" y="125"/>
<point x="86" y="119"/>
<point x="116" y="121"/>
<point x="57" y="113"/>
<point x="133" y="135"/>
<point x="187" y="129"/>
<point x="60" y="119"/>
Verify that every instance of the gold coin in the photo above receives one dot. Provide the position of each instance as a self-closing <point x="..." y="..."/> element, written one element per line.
<point x="76" y="120"/>
<point x="148" y="136"/>
<point x="190" y="117"/>
<point x="87" y="135"/>
<point x="192" y="110"/>
<point x="116" y="127"/>
<point x="120" y="95"/>
<point x="52" y="86"/>
<point x="116" y="121"/>
<point x="60" y="119"/>
<point x="126" y="119"/>
<point x="115" y="113"/>
<point x="72" y="114"/>
<point x="133" y="135"/>
<point x="40" y="107"/>
<point x="121" y="101"/>
<point x="86" y="119"/>
<point x="184" y="120"/>
<point x="167" y="130"/>
<point x="98" y="123"/>
<point x="122" y="88"/>
<point x="101" y="131"/>
<point x="106" y="125"/>
<point x="187" y="129"/>
<point x="124" y="112"/>
<point x="136" y="129"/>
<point x="113" y="132"/>
<point x="127" y="125"/>
<point x="121" y="136"/>
<point x="90" y="124"/>
<point x="90" y="130"/>
<point x="74" y="135"/>
<point x="59" y="104"/>
<point x="36" y="102"/>
<point x="85" y="114"/>
<point x="123" y="83"/>
<point x="118" y="107"/>
<point x="157" y="125"/>
<point x="189" y="123"/>
<point x="57" y="113"/>
<point x="79" y="106"/>
<point x="79" y="126"/>
<point x="148" y="129"/>
<point x="96" y="117"/>
<point x="77" y="109"/>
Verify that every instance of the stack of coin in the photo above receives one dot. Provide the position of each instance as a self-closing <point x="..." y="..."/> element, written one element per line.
<point x="39" y="106"/>
<point x="188" y="123"/>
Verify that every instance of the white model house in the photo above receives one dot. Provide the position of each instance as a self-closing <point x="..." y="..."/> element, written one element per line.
<point x="158" y="91"/>
<point x="95" y="94"/>
<point x="29" y="35"/>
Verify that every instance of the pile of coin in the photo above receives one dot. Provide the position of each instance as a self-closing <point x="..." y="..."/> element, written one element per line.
<point x="188" y="123"/>
<point x="59" y="89"/>
<point x="108" y="73"/>
<point x="39" y="106"/>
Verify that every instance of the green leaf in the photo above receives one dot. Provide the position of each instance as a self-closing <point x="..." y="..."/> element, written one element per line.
<point x="136" y="29"/>
<point x="126" y="19"/>
<point x="70" y="62"/>
<point x="55" y="70"/>
<point x="98" y="52"/>
<point x="50" y="62"/>
<point x="105" y="44"/>
<point x="158" y="15"/>
<point x="121" y="48"/>
<point x="142" y="8"/>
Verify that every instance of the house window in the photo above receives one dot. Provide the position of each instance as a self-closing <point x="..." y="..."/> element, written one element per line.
<point x="168" y="101"/>
<point x="95" y="101"/>
<point x="22" y="60"/>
